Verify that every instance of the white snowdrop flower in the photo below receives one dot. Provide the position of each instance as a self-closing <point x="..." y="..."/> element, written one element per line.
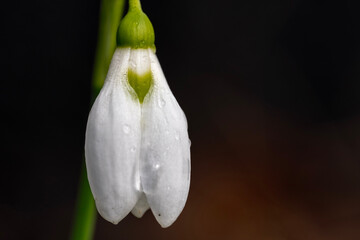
<point x="137" y="147"/>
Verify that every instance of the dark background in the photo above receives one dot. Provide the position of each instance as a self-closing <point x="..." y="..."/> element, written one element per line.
<point x="271" y="90"/>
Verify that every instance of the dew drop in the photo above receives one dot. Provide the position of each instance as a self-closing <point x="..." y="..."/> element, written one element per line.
<point x="133" y="149"/>
<point x="161" y="102"/>
<point x="156" y="166"/>
<point x="126" y="128"/>
<point x="177" y="137"/>
<point x="189" y="143"/>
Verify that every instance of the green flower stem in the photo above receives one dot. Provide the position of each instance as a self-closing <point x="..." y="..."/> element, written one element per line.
<point x="134" y="4"/>
<point x="110" y="14"/>
<point x="85" y="212"/>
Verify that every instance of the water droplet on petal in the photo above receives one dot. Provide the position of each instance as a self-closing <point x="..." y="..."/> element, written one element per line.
<point x="161" y="102"/>
<point x="126" y="128"/>
<point x="189" y="143"/>
<point x="177" y="137"/>
<point x="133" y="149"/>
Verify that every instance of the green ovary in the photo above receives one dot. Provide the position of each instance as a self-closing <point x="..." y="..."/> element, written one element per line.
<point x="140" y="83"/>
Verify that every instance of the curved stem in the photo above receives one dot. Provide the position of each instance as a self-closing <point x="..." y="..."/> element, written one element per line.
<point x="110" y="13"/>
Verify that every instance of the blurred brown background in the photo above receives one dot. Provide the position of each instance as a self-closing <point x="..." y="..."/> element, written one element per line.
<point x="271" y="90"/>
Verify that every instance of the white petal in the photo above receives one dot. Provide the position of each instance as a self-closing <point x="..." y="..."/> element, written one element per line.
<point x="139" y="61"/>
<point x="165" y="150"/>
<point x="112" y="145"/>
<point x="141" y="207"/>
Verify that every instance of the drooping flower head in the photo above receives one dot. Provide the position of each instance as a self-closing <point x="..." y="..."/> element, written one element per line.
<point x="137" y="147"/>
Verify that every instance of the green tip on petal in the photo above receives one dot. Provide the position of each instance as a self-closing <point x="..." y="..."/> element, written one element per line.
<point x="136" y="30"/>
<point x="141" y="84"/>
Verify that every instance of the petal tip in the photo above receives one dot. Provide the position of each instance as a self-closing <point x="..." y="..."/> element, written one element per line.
<point x="164" y="221"/>
<point x="138" y="213"/>
<point x="112" y="213"/>
<point x="141" y="207"/>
